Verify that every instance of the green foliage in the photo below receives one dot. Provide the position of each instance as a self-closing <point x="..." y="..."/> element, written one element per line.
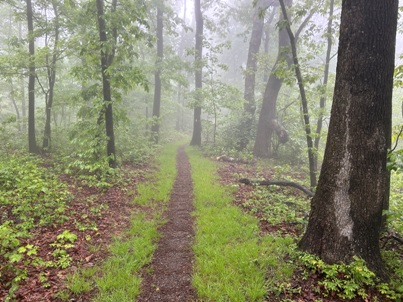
<point x="29" y="194"/>
<point x="231" y="259"/>
<point x="394" y="289"/>
<point x="395" y="212"/>
<point x="64" y="242"/>
<point x="118" y="278"/>
<point x="276" y="207"/>
<point x="348" y="281"/>
<point x="133" y="147"/>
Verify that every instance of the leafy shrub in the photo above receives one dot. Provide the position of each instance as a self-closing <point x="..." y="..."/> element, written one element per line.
<point x="346" y="280"/>
<point x="29" y="194"/>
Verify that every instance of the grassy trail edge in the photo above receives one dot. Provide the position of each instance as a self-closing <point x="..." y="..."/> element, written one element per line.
<point x="233" y="262"/>
<point x="118" y="279"/>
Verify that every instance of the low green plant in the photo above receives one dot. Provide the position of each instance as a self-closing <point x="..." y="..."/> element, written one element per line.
<point x="118" y="278"/>
<point x="64" y="242"/>
<point x="30" y="195"/>
<point x="231" y="259"/>
<point x="349" y="281"/>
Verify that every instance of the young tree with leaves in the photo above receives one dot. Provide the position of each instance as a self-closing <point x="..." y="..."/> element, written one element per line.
<point x="107" y="56"/>
<point x="346" y="211"/>
<point x="197" y="128"/>
<point x="157" y="74"/>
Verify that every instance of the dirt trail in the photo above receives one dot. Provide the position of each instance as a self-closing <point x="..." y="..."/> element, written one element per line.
<point x="169" y="275"/>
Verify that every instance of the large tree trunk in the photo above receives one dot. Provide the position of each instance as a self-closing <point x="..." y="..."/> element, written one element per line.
<point x="106" y="61"/>
<point x="197" y="129"/>
<point x="31" y="82"/>
<point x="346" y="211"/>
<point x="157" y="88"/>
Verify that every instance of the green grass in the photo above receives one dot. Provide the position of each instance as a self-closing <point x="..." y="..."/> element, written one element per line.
<point x="118" y="279"/>
<point x="232" y="262"/>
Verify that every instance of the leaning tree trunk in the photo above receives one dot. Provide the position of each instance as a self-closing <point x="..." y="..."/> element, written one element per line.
<point x="268" y="112"/>
<point x="250" y="73"/>
<point x="197" y="129"/>
<point x="155" y="129"/>
<point x="106" y="61"/>
<point x="268" y="123"/>
<point x="31" y="81"/>
<point x="304" y="101"/>
<point x="346" y="211"/>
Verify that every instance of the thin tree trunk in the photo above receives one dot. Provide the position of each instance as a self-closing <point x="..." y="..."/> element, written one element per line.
<point x="197" y="128"/>
<point x="31" y="84"/>
<point x="307" y="124"/>
<point x="322" y="101"/>
<point x="106" y="61"/>
<point x="51" y="69"/>
<point x="17" y="111"/>
<point x="155" y="129"/>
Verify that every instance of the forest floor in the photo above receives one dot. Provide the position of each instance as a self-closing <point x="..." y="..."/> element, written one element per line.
<point x="168" y="276"/>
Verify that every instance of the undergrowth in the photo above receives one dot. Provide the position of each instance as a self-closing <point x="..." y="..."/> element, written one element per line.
<point x="118" y="279"/>
<point x="231" y="259"/>
<point x="30" y="196"/>
<point x="312" y="278"/>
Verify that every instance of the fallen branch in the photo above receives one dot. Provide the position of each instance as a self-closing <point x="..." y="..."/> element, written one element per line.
<point x="392" y="235"/>
<point x="277" y="183"/>
<point x="233" y="160"/>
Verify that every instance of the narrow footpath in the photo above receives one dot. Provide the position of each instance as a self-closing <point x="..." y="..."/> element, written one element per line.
<point x="169" y="276"/>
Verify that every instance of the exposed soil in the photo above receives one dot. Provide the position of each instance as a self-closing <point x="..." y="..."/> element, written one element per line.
<point x="169" y="276"/>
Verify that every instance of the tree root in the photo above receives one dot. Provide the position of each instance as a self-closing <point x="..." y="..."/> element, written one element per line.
<point x="282" y="183"/>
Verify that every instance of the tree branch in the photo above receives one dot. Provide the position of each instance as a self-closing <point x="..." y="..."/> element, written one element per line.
<point x="281" y="183"/>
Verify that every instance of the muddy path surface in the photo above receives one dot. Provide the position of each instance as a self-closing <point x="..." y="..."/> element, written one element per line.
<point x="169" y="276"/>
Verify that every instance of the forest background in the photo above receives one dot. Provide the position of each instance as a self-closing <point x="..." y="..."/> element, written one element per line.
<point x="91" y="86"/>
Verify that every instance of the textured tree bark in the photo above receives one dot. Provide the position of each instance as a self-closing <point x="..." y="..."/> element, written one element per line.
<point x="197" y="128"/>
<point x="157" y="87"/>
<point x="346" y="211"/>
<point x="106" y="61"/>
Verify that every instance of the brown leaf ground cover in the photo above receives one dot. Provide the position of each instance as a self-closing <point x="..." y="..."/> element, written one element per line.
<point x="95" y="215"/>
